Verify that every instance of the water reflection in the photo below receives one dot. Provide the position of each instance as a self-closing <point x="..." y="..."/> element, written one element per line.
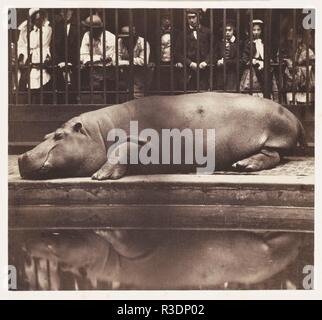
<point x="147" y="259"/>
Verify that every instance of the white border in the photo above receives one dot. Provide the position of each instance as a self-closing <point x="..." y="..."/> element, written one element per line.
<point x="153" y="295"/>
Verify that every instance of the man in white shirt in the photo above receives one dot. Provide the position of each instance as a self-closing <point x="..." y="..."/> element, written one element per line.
<point x="97" y="43"/>
<point x="92" y="51"/>
<point x="40" y="39"/>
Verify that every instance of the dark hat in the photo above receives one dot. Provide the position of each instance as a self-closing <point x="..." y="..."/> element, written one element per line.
<point x="231" y="23"/>
<point x="165" y="13"/>
<point x="193" y="11"/>
<point x="96" y="22"/>
<point x="125" y="32"/>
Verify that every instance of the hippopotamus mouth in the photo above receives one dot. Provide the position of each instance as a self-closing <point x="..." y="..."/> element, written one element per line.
<point x="29" y="171"/>
<point x="31" y="167"/>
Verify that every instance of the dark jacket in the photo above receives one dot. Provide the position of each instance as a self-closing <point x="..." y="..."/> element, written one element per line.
<point x="72" y="43"/>
<point x="204" y="35"/>
<point x="230" y="53"/>
<point x="245" y="57"/>
<point x="231" y="57"/>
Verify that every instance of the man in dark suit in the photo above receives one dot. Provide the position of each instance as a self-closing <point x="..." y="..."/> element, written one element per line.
<point x="66" y="54"/>
<point x="227" y="54"/>
<point x="195" y="60"/>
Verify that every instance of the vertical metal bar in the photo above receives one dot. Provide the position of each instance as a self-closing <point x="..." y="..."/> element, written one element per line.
<point x="36" y="273"/>
<point x="184" y="51"/>
<point x="307" y="64"/>
<point x="117" y="70"/>
<point x="66" y="56"/>
<point x="267" y="53"/>
<point x="294" y="54"/>
<point x="48" y="274"/>
<point x="251" y="50"/>
<point x="16" y="67"/>
<point x="54" y="88"/>
<point x="211" y="69"/>
<point x="41" y="65"/>
<point x="11" y="78"/>
<point x="145" y="51"/>
<point x="198" y="52"/>
<point x="78" y="58"/>
<point x="238" y="49"/>
<point x="159" y="50"/>
<point x="29" y="58"/>
<point x="224" y="42"/>
<point x="91" y="52"/>
<point x="104" y="54"/>
<point x="131" y="45"/>
<point x="171" y="54"/>
<point x="280" y="74"/>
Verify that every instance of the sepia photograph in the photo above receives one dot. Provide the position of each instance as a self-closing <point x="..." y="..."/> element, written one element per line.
<point x="161" y="148"/>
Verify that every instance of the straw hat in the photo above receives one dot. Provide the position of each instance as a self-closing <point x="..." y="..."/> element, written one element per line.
<point x="33" y="11"/>
<point x="257" y="21"/>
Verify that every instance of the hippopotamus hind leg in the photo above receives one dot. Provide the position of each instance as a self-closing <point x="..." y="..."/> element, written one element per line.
<point x="265" y="159"/>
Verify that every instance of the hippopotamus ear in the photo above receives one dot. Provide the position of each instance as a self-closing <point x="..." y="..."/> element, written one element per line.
<point x="49" y="135"/>
<point x="77" y="126"/>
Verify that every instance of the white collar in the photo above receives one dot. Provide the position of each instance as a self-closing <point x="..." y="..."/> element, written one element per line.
<point x="232" y="39"/>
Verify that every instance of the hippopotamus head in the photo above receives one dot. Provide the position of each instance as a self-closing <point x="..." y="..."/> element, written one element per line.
<point x="70" y="151"/>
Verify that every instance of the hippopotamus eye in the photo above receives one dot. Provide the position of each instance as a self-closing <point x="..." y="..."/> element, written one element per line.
<point x="58" y="135"/>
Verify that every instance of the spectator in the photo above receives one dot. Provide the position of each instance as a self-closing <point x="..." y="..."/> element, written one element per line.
<point x="92" y="53"/>
<point x="22" y="50"/>
<point x="298" y="70"/>
<point x="194" y="31"/>
<point x="142" y="75"/>
<point x="227" y="51"/>
<point x="66" y="52"/>
<point x="256" y="62"/>
<point x="166" y="47"/>
<point x="40" y="54"/>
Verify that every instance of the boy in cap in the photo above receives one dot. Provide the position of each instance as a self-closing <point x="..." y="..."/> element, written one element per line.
<point x="227" y="51"/>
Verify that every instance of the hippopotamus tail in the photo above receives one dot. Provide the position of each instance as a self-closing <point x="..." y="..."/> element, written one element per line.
<point x="301" y="137"/>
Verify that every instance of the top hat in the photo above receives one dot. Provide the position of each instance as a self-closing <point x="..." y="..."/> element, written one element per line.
<point x="96" y="22"/>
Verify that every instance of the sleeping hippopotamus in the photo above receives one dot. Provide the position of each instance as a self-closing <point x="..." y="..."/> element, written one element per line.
<point x="250" y="134"/>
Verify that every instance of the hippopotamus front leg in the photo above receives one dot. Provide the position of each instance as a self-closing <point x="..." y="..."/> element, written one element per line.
<point x="265" y="159"/>
<point x="117" y="162"/>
